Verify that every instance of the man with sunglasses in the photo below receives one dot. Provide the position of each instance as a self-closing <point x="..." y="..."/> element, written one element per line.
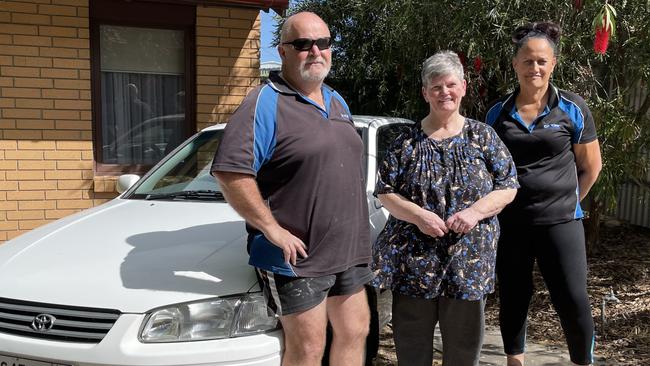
<point x="289" y="163"/>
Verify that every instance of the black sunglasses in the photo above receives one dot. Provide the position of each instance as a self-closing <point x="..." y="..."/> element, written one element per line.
<point x="305" y="44"/>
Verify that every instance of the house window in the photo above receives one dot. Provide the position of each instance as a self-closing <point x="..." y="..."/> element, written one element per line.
<point x="142" y="83"/>
<point x="143" y="96"/>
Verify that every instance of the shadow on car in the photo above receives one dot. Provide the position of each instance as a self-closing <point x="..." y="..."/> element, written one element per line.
<point x="190" y="259"/>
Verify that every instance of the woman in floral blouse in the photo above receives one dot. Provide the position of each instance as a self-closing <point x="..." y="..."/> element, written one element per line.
<point x="443" y="182"/>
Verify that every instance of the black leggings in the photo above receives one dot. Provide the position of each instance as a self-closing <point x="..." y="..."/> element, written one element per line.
<point x="560" y="253"/>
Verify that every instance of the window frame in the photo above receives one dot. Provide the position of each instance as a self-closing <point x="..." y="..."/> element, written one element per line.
<point x="143" y="15"/>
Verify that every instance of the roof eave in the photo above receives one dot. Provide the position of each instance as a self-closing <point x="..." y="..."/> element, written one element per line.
<point x="279" y="6"/>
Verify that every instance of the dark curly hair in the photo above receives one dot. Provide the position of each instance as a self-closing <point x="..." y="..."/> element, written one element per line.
<point x="548" y="30"/>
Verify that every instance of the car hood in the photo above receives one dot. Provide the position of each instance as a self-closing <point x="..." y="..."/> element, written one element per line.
<point x="130" y="255"/>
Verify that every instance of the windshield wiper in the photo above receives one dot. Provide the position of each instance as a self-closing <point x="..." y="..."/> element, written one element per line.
<point x="188" y="195"/>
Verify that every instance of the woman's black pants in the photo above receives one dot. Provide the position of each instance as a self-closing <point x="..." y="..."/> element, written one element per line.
<point x="462" y="324"/>
<point x="560" y="253"/>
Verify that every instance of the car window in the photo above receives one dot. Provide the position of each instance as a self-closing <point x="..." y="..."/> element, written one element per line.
<point x="186" y="170"/>
<point x="386" y="135"/>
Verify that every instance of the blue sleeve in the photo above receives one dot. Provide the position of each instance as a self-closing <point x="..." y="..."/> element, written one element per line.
<point x="583" y="126"/>
<point x="250" y="136"/>
<point x="589" y="127"/>
<point x="265" y="127"/>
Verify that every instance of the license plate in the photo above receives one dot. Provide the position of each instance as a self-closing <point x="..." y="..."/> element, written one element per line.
<point x="14" y="361"/>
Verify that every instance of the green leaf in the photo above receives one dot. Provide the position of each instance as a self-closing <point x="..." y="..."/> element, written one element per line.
<point x="598" y="19"/>
<point x="611" y="19"/>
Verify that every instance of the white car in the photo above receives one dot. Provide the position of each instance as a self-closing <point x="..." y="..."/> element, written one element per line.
<point x="157" y="276"/>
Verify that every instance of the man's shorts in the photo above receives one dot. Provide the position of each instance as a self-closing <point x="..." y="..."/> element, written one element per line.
<point x="288" y="295"/>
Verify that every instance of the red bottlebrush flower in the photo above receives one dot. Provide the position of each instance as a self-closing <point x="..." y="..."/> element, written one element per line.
<point x="601" y="41"/>
<point x="577" y="4"/>
<point x="604" y="27"/>
<point x="478" y="63"/>
<point x="482" y="91"/>
<point x="463" y="58"/>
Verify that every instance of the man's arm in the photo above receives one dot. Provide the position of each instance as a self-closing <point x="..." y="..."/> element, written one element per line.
<point x="244" y="196"/>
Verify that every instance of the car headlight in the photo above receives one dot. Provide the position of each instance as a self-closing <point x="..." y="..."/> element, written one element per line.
<point x="209" y="319"/>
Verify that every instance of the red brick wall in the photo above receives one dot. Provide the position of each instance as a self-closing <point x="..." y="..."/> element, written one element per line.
<point x="46" y="154"/>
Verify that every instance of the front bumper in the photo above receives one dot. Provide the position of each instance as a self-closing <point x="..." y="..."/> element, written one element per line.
<point x="121" y="347"/>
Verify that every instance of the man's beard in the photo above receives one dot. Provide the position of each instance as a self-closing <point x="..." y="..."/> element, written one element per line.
<point x="309" y="75"/>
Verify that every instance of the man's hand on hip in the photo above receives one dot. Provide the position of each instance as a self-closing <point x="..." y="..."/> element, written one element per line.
<point x="242" y="193"/>
<point x="291" y="245"/>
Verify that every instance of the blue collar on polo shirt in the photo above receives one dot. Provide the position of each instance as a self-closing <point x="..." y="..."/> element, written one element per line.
<point x="515" y="115"/>
<point x="280" y="85"/>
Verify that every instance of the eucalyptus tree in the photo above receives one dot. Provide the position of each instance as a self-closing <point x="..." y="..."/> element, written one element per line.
<point x="380" y="45"/>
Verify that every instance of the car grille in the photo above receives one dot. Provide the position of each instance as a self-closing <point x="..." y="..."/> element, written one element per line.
<point x="71" y="323"/>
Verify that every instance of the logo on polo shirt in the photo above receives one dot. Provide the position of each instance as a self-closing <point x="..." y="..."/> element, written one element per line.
<point x="345" y="115"/>
<point x="552" y="125"/>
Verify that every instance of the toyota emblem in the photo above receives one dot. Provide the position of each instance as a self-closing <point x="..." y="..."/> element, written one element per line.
<point x="43" y="322"/>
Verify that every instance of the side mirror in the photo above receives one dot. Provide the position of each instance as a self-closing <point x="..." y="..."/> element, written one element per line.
<point x="126" y="181"/>
<point x="377" y="203"/>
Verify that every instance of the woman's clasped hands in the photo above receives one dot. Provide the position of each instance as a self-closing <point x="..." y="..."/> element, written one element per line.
<point x="461" y="222"/>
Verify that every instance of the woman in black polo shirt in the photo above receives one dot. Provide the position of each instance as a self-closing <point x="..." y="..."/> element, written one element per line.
<point x="552" y="138"/>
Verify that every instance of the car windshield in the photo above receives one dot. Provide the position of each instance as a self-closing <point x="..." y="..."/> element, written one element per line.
<point x="185" y="174"/>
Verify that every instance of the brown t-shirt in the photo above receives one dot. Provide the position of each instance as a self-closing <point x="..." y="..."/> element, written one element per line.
<point x="307" y="162"/>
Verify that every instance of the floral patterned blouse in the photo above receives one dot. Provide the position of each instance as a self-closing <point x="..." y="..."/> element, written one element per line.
<point x="445" y="176"/>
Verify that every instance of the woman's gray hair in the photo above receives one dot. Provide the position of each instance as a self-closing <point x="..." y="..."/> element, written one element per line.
<point x="441" y="63"/>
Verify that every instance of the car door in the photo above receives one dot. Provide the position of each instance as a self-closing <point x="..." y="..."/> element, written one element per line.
<point x="381" y="135"/>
